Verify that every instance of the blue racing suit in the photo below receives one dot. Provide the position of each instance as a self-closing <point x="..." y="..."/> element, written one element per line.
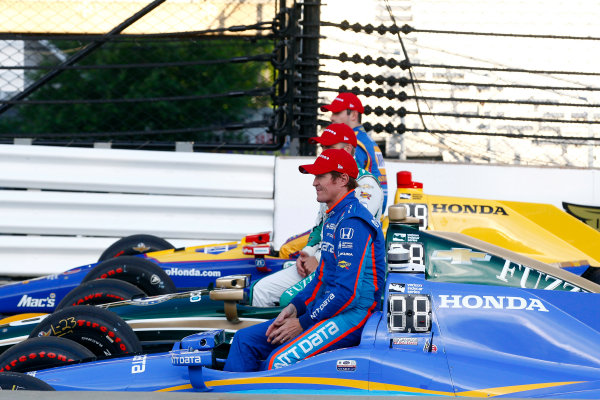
<point x="369" y="156"/>
<point x="335" y="305"/>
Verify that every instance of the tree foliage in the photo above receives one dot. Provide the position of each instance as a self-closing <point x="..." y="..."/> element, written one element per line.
<point x="108" y="76"/>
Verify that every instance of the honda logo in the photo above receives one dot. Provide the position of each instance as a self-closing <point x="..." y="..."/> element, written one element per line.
<point x="346" y="233"/>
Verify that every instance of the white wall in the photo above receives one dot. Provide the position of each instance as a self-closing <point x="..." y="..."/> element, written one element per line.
<point x="60" y="207"/>
<point x="295" y="206"/>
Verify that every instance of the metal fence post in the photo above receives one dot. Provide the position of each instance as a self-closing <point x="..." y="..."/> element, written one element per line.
<point x="309" y="75"/>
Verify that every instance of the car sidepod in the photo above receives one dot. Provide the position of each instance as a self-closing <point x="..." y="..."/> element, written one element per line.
<point x="143" y="372"/>
<point x="501" y="341"/>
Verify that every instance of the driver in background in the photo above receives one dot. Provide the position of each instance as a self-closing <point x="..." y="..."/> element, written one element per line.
<point x="268" y="291"/>
<point x="331" y="311"/>
<point x="347" y="109"/>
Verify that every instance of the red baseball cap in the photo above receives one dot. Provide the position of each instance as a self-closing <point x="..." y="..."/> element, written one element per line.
<point x="334" y="134"/>
<point x="332" y="160"/>
<point x="344" y="101"/>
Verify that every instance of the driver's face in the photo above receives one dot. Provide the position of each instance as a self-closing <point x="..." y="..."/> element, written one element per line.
<point x="326" y="188"/>
<point x="341" y="117"/>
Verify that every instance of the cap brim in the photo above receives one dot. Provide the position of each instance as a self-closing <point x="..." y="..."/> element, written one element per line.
<point x="333" y="108"/>
<point x="302" y="168"/>
<point x="322" y="141"/>
<point x="313" y="169"/>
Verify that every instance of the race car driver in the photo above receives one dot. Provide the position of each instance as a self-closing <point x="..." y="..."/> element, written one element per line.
<point x="267" y="292"/>
<point x="347" y="109"/>
<point x="331" y="311"/>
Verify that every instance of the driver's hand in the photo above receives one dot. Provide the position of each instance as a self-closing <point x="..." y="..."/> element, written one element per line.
<point x="286" y="313"/>
<point x="310" y="265"/>
<point x="301" y="265"/>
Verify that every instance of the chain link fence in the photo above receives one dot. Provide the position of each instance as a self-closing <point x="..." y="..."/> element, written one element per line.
<point x="138" y="73"/>
<point x="489" y="82"/>
<point x="481" y="82"/>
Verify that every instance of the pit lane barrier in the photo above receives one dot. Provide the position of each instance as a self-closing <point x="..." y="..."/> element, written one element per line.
<point x="60" y="207"/>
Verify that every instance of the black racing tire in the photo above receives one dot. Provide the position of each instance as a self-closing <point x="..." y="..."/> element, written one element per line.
<point x="100" y="291"/>
<point x="100" y="330"/>
<point x="43" y="352"/>
<point x="133" y="245"/>
<point x="19" y="381"/>
<point x="138" y="271"/>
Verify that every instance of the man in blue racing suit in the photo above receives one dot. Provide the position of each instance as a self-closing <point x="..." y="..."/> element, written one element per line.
<point x="331" y="311"/>
<point x="347" y="109"/>
<point x="268" y="291"/>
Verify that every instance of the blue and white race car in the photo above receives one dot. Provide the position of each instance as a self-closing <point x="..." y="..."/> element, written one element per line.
<point x="432" y="336"/>
<point x="156" y="268"/>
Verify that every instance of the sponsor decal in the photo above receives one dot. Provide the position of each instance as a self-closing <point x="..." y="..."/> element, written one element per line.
<point x="399" y="237"/>
<point x="397" y="287"/>
<point x="429" y="347"/>
<point x="366" y="186"/>
<point x="306" y="345"/>
<point x="345" y="254"/>
<point x="192" y="272"/>
<point x="405" y="341"/>
<point x="195" y="297"/>
<point x="185" y="359"/>
<point x="260" y="262"/>
<point x="533" y="279"/>
<point x="216" y="249"/>
<point x="71" y="271"/>
<point x="460" y="256"/>
<point x="300" y="285"/>
<point x="365" y="195"/>
<point x="404" y="237"/>
<point x="323" y="305"/>
<point x="345" y="245"/>
<point x="346" y="233"/>
<point x="141" y="247"/>
<point x="147" y="301"/>
<point x="414" y="288"/>
<point x="52" y="277"/>
<point x="468" y="209"/>
<point x="326" y="246"/>
<point x="330" y="226"/>
<point x="47" y="302"/>
<point x="491" y="302"/>
<point x="344" y="264"/>
<point x="405" y="196"/>
<point x="138" y="364"/>
<point x="155" y="280"/>
<point x="257" y="249"/>
<point x="346" y="365"/>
